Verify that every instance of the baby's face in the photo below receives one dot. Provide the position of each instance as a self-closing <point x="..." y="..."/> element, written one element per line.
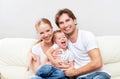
<point x="61" y="40"/>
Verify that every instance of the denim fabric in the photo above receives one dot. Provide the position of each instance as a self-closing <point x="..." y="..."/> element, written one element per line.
<point x="95" y="75"/>
<point x="36" y="77"/>
<point x="49" y="72"/>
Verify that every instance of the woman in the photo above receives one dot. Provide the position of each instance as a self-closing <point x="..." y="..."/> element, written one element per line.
<point x="38" y="59"/>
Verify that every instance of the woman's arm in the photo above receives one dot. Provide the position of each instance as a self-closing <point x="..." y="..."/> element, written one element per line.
<point x="32" y="58"/>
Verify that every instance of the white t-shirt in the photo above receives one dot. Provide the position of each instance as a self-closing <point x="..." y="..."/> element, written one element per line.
<point x="65" y="55"/>
<point x="36" y="49"/>
<point x="86" y="41"/>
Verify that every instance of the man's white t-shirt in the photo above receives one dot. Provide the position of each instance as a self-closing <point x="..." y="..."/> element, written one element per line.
<point x="86" y="41"/>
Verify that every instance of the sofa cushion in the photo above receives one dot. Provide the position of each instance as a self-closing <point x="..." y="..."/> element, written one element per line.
<point x="110" y="48"/>
<point x="15" y="72"/>
<point x="1" y="62"/>
<point x="13" y="51"/>
<point x="113" y="69"/>
<point x="118" y="77"/>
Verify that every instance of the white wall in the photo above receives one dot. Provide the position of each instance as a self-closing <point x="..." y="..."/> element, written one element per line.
<point x="17" y="17"/>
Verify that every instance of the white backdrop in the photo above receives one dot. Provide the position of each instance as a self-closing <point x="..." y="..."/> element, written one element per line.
<point x="18" y="17"/>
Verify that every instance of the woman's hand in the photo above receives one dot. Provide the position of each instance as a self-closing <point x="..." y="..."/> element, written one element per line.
<point x="57" y="52"/>
<point x="31" y="58"/>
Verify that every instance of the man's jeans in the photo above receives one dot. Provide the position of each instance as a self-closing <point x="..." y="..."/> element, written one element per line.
<point x="95" y="75"/>
<point x="49" y="72"/>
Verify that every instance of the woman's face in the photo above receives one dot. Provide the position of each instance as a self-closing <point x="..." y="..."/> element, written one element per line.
<point x="46" y="32"/>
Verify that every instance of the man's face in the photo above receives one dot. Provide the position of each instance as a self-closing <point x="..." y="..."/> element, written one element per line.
<point x="66" y="24"/>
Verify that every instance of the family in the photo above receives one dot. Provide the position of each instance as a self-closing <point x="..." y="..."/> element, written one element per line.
<point x="65" y="53"/>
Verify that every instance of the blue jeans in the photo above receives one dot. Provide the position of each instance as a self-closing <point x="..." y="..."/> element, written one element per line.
<point x="49" y="72"/>
<point x="95" y="75"/>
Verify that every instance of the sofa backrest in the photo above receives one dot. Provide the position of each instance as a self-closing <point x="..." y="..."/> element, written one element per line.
<point x="110" y="48"/>
<point x="14" y="51"/>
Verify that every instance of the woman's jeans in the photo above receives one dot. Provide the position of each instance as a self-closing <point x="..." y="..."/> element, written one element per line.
<point x="95" y="75"/>
<point x="49" y="72"/>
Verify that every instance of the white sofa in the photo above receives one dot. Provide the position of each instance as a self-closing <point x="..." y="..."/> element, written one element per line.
<point x="13" y="56"/>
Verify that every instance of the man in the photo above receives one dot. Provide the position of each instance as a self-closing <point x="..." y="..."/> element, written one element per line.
<point x="88" y="61"/>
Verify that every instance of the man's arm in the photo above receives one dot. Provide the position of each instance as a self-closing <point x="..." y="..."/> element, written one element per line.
<point x="96" y="63"/>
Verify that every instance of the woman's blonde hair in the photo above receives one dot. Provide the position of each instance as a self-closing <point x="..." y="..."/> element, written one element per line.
<point x="44" y="20"/>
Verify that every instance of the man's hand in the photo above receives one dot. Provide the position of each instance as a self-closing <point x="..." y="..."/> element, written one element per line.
<point x="71" y="72"/>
